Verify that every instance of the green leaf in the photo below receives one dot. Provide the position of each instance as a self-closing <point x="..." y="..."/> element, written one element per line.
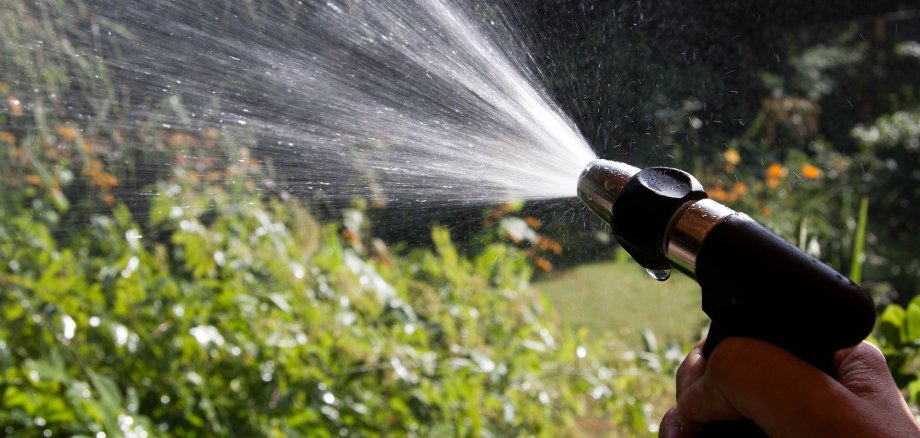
<point x="912" y="323"/>
<point x="859" y="241"/>
<point x="891" y="326"/>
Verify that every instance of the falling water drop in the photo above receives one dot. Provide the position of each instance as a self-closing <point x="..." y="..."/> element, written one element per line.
<point x="659" y="274"/>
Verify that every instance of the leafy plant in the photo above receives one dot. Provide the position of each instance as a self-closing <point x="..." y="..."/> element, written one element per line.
<point x="898" y="336"/>
<point x="224" y="311"/>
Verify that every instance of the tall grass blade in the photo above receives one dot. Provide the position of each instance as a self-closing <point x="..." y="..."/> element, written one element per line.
<point x="860" y="241"/>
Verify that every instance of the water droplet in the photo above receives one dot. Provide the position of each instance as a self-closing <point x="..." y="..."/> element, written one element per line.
<point x="659" y="274"/>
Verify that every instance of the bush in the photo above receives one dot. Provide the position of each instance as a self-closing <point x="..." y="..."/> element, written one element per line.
<point x="228" y="312"/>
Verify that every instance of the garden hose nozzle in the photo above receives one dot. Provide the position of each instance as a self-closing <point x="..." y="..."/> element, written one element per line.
<point x="754" y="284"/>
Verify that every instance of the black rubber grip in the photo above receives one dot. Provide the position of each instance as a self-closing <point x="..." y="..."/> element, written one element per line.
<point x="757" y="285"/>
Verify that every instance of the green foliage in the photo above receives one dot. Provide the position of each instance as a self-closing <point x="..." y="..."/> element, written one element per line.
<point x="229" y="313"/>
<point x="898" y="336"/>
<point x="813" y="65"/>
<point x="891" y="159"/>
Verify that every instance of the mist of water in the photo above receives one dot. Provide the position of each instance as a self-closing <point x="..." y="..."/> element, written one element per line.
<point x="400" y="100"/>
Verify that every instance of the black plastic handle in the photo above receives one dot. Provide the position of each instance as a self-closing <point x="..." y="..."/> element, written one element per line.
<point x="757" y="285"/>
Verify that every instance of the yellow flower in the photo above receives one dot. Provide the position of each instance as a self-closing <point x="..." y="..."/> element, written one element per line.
<point x="810" y="172"/>
<point x="731" y="156"/>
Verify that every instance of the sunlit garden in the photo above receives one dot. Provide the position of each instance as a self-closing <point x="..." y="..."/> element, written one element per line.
<point x="161" y="275"/>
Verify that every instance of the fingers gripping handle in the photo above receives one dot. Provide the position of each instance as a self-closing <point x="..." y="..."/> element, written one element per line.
<point x="746" y="428"/>
<point x="757" y="285"/>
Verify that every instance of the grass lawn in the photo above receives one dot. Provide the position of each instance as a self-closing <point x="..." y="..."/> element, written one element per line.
<point x="620" y="297"/>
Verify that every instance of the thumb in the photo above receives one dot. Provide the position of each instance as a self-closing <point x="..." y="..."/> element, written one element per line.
<point x="780" y="392"/>
<point x="864" y="371"/>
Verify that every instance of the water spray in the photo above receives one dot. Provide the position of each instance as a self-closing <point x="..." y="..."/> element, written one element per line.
<point x="754" y="283"/>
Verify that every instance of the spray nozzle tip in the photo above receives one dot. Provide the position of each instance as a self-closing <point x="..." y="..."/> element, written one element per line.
<point x="600" y="184"/>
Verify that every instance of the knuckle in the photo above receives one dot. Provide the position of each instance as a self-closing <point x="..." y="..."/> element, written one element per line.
<point x="868" y="356"/>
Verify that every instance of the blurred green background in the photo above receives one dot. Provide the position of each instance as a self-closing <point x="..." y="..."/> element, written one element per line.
<point x="165" y="280"/>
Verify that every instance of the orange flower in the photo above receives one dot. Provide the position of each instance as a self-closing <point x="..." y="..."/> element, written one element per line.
<point x="101" y="179"/>
<point x="107" y="181"/>
<point x="66" y="132"/>
<point x="351" y="237"/>
<point x="777" y="171"/>
<point x="740" y="188"/>
<point x="543" y="264"/>
<point x="180" y="140"/>
<point x="810" y="172"/>
<point x="532" y="222"/>
<point x="4" y="88"/>
<point x="108" y="198"/>
<point x="8" y="138"/>
<point x="15" y="106"/>
<point x="717" y="194"/>
<point x="33" y="179"/>
<point x="547" y="244"/>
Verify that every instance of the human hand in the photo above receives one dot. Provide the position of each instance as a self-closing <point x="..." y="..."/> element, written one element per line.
<point x="786" y="396"/>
